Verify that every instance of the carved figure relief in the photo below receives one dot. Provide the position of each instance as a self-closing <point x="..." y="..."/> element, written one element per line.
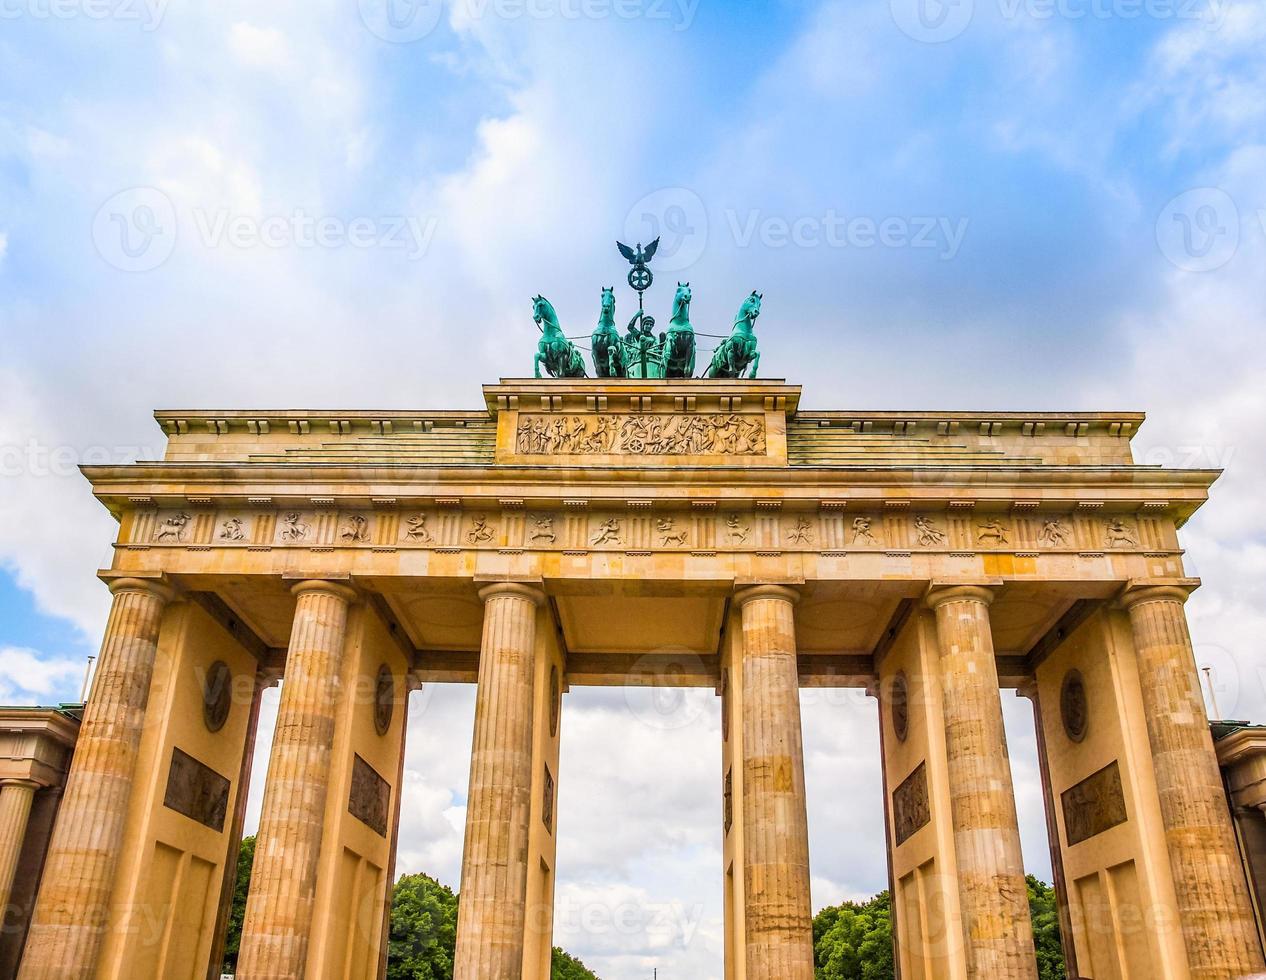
<point x="802" y="533"/>
<point x="196" y="790"/>
<point x="737" y="529"/>
<point x="1120" y="534"/>
<point x="355" y="528"/>
<point x="862" y="531"/>
<point x="172" y="529"/>
<point x="669" y="534"/>
<point x="547" y="803"/>
<point x="928" y="533"/>
<point x="369" y="797"/>
<point x="641" y="435"/>
<point x="608" y="532"/>
<point x="1054" y="533"/>
<point x="542" y="528"/>
<point x="1094" y="805"/>
<point x="479" y="532"/>
<point x="993" y="530"/>
<point x="232" y="530"/>
<point x="911" y="807"/>
<point x="293" y="527"/>
<point x="417" y="529"/>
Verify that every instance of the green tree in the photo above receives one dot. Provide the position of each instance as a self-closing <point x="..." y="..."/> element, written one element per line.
<point x="564" y="966"/>
<point x="853" y="941"/>
<point x="423" y="930"/>
<point x="237" y="911"/>
<point x="1043" y="908"/>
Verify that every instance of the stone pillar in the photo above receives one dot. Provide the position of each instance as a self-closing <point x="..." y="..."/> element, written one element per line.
<point x="492" y="912"/>
<point x="775" y="820"/>
<point x="279" y="909"/>
<point x="995" y="908"/>
<point x="73" y="908"/>
<point x="1213" y="901"/>
<point x="16" y="796"/>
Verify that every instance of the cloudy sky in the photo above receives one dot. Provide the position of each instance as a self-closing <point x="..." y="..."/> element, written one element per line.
<point x="1038" y="204"/>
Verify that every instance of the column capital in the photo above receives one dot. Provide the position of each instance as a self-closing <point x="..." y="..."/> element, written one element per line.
<point x="1028" y="689"/>
<point x="1139" y="590"/>
<point x="787" y="593"/>
<point x="941" y="592"/>
<point x="33" y="785"/>
<point x="522" y="590"/>
<point x="159" y="587"/>
<point x="337" y="589"/>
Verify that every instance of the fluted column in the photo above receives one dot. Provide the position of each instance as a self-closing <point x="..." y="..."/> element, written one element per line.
<point x="16" y="796"/>
<point x="1213" y="901"/>
<point x="992" y="892"/>
<point x="276" y="929"/>
<point x="72" y="911"/>
<point x="491" y="914"/>
<point x="775" y="820"/>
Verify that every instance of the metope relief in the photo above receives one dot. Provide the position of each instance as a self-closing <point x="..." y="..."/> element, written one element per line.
<point x="641" y="435"/>
<point x="355" y="529"/>
<point x="172" y="529"/>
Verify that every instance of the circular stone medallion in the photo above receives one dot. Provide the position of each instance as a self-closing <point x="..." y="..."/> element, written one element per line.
<point x="384" y="699"/>
<point x="217" y="696"/>
<point x="900" y="703"/>
<point x="555" y="701"/>
<point x="1073" y="709"/>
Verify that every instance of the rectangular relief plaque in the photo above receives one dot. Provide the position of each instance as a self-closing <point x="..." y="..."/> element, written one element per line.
<point x="370" y="796"/>
<point x="547" y="804"/>
<point x="1094" y="805"/>
<point x="197" y="791"/>
<point x="911" y="808"/>
<point x="719" y="434"/>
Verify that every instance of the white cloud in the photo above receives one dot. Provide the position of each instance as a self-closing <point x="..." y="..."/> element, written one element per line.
<point x="30" y="676"/>
<point x="4" y="245"/>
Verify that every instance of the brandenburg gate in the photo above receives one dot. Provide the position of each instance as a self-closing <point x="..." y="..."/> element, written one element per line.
<point x="704" y="533"/>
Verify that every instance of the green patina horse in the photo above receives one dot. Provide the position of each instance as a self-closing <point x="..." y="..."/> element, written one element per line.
<point x="738" y="350"/>
<point x="559" y="355"/>
<point x="608" y="354"/>
<point x="679" y="344"/>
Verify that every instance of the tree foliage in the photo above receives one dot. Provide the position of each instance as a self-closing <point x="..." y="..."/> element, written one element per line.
<point x="423" y="930"/>
<point x="564" y="966"/>
<point x="237" y="911"/>
<point x="853" y="940"/>
<point x="1044" y="909"/>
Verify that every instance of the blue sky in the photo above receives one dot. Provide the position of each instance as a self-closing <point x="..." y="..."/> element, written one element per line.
<point x="1072" y="197"/>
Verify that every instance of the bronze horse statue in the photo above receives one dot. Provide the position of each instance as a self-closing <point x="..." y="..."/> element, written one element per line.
<point x="738" y="350"/>
<point x="559" y="355"/>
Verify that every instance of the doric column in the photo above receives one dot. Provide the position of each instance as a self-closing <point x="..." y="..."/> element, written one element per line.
<point x="275" y="931"/>
<point x="1213" y="902"/>
<point x="16" y="796"/>
<point x="72" y="911"/>
<point x="775" y="820"/>
<point x="492" y="911"/>
<point x="992" y="892"/>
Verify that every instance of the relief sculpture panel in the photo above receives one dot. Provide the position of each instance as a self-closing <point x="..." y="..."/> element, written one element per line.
<point x="641" y="435"/>
<point x="1094" y="805"/>
<point x="911" y="808"/>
